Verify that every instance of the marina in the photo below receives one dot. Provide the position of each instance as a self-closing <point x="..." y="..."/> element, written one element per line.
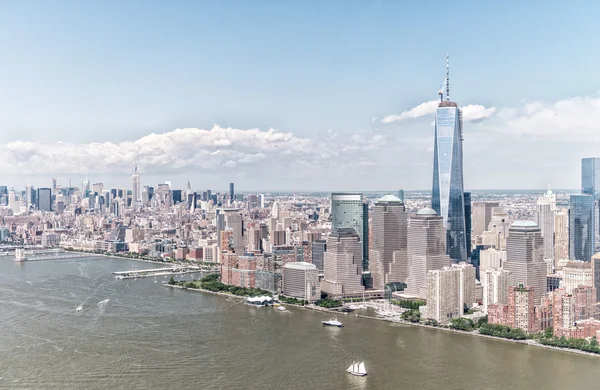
<point x="165" y="271"/>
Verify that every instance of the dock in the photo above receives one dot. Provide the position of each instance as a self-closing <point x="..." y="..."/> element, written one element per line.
<point x="22" y="255"/>
<point x="145" y="273"/>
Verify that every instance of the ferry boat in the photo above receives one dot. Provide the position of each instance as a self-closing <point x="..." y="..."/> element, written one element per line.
<point x="333" y="322"/>
<point x="357" y="369"/>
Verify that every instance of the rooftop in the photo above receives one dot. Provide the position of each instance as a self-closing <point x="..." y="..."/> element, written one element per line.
<point x="300" y="265"/>
<point x="524" y="224"/>
<point x="427" y="211"/>
<point x="390" y="199"/>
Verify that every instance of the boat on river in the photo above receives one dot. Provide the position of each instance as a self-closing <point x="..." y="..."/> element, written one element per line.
<point x="357" y="368"/>
<point x="333" y="322"/>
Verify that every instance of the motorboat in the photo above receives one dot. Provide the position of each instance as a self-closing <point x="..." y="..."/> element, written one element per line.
<point x="333" y="322"/>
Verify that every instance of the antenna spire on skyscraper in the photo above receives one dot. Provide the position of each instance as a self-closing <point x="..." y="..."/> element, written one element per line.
<point x="447" y="77"/>
<point x="135" y="167"/>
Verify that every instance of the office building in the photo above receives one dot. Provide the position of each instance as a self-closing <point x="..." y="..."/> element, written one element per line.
<point x="525" y="257"/>
<point x="447" y="196"/>
<point x="255" y="239"/>
<point x="231" y="192"/>
<point x="426" y="249"/>
<point x="343" y="264"/>
<point x="590" y="185"/>
<point x="388" y="239"/>
<point x="495" y="283"/>
<point x="545" y="210"/>
<point x="482" y="216"/>
<point x="232" y="219"/>
<point x="301" y="281"/>
<point x="581" y="227"/>
<point x="318" y="249"/>
<point x="44" y="199"/>
<point x="575" y="274"/>
<point x="351" y="210"/>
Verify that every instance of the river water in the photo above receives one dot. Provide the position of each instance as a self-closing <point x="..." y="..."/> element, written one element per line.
<point x="150" y="336"/>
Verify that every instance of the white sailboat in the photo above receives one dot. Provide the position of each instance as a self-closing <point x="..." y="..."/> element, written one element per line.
<point x="357" y="369"/>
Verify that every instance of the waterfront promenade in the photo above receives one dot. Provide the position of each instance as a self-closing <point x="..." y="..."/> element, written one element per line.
<point x="395" y="320"/>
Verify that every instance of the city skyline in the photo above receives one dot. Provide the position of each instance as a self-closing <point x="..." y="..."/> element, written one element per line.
<point x="346" y="116"/>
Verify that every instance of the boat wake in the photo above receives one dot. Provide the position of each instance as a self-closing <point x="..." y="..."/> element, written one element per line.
<point x="103" y="303"/>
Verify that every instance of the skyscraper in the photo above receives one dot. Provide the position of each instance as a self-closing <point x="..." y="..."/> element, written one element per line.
<point x="136" y="195"/>
<point x="590" y="176"/>
<point x="482" y="216"/>
<point x="447" y="195"/>
<point x="561" y="236"/>
<point x="44" y="199"/>
<point x="388" y="242"/>
<point x="426" y="248"/>
<point x="545" y="209"/>
<point x="525" y="257"/>
<point x="581" y="227"/>
<point x="350" y="210"/>
<point x="343" y="263"/>
<point x="590" y="185"/>
<point x="231" y="193"/>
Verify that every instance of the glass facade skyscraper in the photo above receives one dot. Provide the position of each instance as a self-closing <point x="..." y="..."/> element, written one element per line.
<point x="590" y="185"/>
<point x="351" y="210"/>
<point x="590" y="176"/>
<point x="447" y="196"/>
<point x="581" y="227"/>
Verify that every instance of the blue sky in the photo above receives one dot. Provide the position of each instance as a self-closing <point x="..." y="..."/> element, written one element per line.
<point x="85" y="72"/>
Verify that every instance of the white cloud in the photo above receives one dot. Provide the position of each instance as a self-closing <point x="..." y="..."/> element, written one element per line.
<point x="423" y="109"/>
<point x="471" y="112"/>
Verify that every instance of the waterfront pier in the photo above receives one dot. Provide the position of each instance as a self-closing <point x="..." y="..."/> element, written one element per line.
<point x="174" y="270"/>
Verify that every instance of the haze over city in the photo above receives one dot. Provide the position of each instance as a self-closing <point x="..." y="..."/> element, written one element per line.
<point x="295" y="96"/>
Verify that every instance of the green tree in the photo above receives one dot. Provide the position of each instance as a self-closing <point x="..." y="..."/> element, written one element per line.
<point x="549" y="332"/>
<point x="172" y="280"/>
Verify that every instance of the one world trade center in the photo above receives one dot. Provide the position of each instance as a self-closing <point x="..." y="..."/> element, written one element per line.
<point x="447" y="195"/>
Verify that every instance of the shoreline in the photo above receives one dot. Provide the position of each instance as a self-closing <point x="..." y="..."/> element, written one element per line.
<point x="527" y="342"/>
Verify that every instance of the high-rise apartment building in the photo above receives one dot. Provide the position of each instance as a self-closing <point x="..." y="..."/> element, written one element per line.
<point x="525" y="257"/>
<point x="447" y="195"/>
<point x="443" y="301"/>
<point x="233" y="220"/>
<point x="545" y="210"/>
<point x="482" y="216"/>
<point x="343" y="264"/>
<point x="44" y="199"/>
<point x="351" y="210"/>
<point x="581" y="227"/>
<point x="388" y="261"/>
<point x="491" y="258"/>
<point x="426" y="249"/>
<point x="596" y="274"/>
<point x="495" y="283"/>
<point x="561" y="236"/>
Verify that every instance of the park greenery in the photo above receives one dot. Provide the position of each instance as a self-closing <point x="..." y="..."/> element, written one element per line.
<point x="212" y="283"/>
<point x="461" y="323"/>
<point x="579" y="344"/>
<point x="502" y="331"/>
<point x="412" y="305"/>
<point x="138" y="256"/>
<point x="328" y="303"/>
<point x="411" y="315"/>
<point x="292" y="301"/>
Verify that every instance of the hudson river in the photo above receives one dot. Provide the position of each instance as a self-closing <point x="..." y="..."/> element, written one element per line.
<point x="150" y="336"/>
